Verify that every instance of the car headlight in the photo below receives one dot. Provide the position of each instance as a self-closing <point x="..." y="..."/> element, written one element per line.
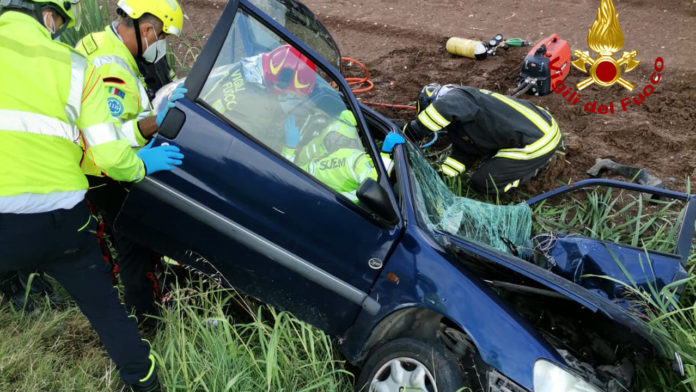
<point x="549" y="377"/>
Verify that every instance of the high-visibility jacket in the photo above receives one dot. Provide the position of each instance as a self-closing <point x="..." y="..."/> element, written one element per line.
<point x="126" y="94"/>
<point x="51" y="103"/>
<point x="336" y="156"/>
<point x="488" y="123"/>
<point x="343" y="170"/>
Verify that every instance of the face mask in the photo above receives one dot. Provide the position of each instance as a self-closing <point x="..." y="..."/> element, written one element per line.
<point x="155" y="52"/>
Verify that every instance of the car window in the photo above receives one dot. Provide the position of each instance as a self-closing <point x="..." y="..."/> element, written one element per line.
<point x="300" y="21"/>
<point x="282" y="100"/>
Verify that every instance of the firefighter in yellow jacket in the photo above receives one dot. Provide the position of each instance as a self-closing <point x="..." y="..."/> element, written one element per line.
<point x="52" y="102"/>
<point x="138" y="38"/>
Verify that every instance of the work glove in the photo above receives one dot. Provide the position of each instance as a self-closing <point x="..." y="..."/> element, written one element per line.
<point x="392" y="140"/>
<point x="160" y="158"/>
<point x="292" y="132"/>
<point x="452" y="167"/>
<point x="176" y="95"/>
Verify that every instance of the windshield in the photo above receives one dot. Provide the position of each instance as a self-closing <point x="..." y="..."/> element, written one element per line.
<point x="440" y="209"/>
<point x="300" y="21"/>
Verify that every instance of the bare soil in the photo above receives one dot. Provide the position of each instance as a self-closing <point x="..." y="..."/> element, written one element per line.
<point x="403" y="44"/>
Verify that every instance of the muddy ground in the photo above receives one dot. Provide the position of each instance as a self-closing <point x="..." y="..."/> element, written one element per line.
<point x="403" y="44"/>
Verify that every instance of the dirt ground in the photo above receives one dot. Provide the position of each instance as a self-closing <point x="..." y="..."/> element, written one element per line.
<point x="403" y="44"/>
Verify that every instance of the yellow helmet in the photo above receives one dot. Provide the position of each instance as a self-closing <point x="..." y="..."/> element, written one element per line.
<point x="168" y="11"/>
<point x="69" y="9"/>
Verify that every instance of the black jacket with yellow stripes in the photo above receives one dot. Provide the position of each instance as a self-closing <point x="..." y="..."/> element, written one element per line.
<point x="484" y="122"/>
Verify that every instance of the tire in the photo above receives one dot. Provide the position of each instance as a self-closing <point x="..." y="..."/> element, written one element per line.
<point x="413" y="363"/>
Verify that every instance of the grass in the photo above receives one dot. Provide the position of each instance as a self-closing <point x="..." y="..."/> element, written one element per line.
<point x="629" y="218"/>
<point x="199" y="347"/>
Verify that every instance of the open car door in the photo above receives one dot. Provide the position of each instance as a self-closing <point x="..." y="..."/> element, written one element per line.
<point x="269" y="220"/>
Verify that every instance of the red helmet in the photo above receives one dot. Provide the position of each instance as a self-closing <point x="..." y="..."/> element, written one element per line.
<point x="286" y="70"/>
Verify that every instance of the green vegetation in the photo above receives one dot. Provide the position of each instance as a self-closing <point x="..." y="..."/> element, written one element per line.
<point x="199" y="347"/>
<point x="95" y="15"/>
<point x="630" y="218"/>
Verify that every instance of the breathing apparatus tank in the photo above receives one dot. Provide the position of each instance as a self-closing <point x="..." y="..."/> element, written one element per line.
<point x="466" y="47"/>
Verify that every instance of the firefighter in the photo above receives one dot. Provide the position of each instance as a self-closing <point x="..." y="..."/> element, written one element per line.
<point x="139" y="37"/>
<point x="335" y="156"/>
<point x="258" y="92"/>
<point x="515" y="138"/>
<point x="52" y="102"/>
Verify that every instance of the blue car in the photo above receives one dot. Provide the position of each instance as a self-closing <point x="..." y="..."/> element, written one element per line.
<point x="369" y="247"/>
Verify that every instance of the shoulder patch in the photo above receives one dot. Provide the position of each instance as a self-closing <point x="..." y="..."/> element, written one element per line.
<point x="114" y="80"/>
<point x="115" y="106"/>
<point x="89" y="45"/>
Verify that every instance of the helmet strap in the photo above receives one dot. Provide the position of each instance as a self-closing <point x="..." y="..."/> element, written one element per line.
<point x="138" y="37"/>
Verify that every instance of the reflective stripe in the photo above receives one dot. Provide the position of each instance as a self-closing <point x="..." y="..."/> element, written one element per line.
<point x="103" y="60"/>
<point x="351" y="163"/>
<point x="545" y="144"/>
<point x="152" y="367"/>
<point x="128" y="131"/>
<point x="19" y="121"/>
<point x="455" y="164"/>
<point x="425" y="120"/>
<point x="435" y="116"/>
<point x="36" y="203"/>
<point x="144" y="114"/>
<point x="540" y="122"/>
<point x="552" y="140"/>
<point x="100" y="133"/>
<point x="449" y="171"/>
<point x="77" y="81"/>
<point x="511" y="185"/>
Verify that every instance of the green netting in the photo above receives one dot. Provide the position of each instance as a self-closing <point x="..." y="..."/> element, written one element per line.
<point x="471" y="219"/>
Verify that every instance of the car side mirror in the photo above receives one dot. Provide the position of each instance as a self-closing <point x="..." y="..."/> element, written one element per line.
<point x="376" y="198"/>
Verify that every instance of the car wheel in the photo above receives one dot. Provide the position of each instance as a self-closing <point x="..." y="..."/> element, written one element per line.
<point x="406" y="364"/>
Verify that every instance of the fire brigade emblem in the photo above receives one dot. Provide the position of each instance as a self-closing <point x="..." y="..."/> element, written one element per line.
<point x="605" y="38"/>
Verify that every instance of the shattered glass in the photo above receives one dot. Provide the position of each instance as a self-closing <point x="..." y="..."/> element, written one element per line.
<point x="502" y="227"/>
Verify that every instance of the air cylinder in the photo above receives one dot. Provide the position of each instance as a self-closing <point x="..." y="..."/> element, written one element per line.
<point x="466" y="47"/>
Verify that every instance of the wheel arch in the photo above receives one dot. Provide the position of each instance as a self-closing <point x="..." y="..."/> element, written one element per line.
<point x="413" y="321"/>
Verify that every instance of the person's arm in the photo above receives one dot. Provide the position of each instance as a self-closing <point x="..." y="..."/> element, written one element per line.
<point x="106" y="151"/>
<point x="454" y="105"/>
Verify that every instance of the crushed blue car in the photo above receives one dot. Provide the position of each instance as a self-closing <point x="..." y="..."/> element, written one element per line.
<point x="421" y="289"/>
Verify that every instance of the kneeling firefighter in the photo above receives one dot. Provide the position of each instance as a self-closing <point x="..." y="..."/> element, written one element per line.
<point x="515" y="138"/>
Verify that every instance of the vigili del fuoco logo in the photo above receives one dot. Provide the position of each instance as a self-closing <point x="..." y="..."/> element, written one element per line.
<point x="605" y="38"/>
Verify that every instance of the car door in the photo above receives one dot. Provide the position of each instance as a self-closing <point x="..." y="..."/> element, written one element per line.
<point x="241" y="206"/>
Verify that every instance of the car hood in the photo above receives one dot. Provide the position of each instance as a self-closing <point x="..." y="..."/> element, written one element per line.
<point x="472" y="253"/>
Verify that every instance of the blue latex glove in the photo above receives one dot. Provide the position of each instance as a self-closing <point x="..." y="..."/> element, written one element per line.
<point x="392" y="140"/>
<point x="292" y="133"/>
<point x="160" y="158"/>
<point x="177" y="94"/>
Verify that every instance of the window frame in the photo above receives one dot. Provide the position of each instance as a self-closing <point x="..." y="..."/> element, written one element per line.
<point x="208" y="59"/>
